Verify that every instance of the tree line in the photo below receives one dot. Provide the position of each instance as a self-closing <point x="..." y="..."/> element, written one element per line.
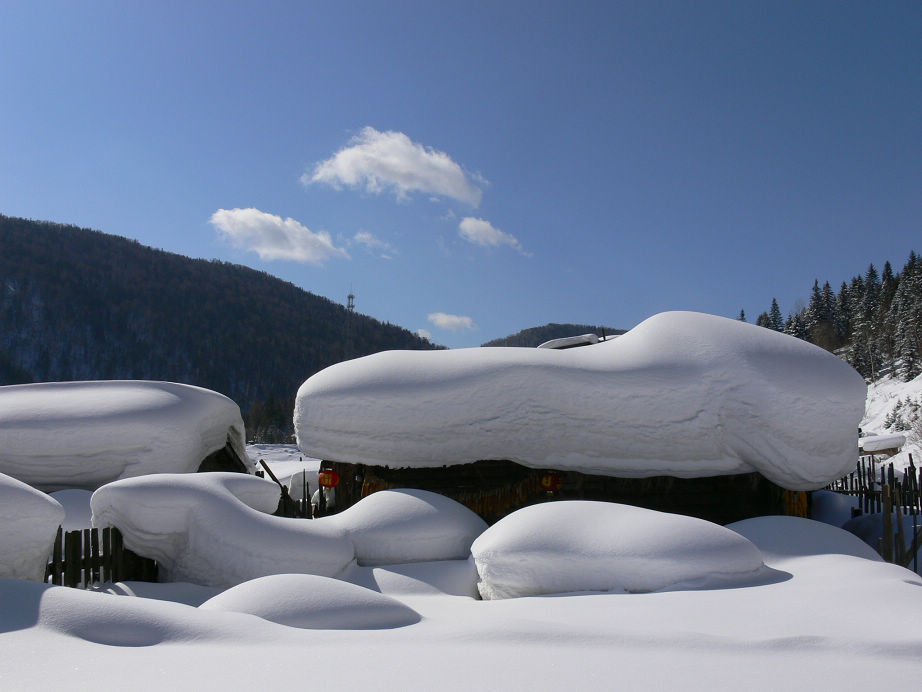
<point x="874" y="321"/>
<point x="78" y="304"/>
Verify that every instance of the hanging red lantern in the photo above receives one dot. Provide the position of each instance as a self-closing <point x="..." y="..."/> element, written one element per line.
<point x="551" y="481"/>
<point x="328" y="478"/>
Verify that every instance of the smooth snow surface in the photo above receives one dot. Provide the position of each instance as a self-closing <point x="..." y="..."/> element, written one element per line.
<point x="311" y="602"/>
<point x="396" y="526"/>
<point x="682" y="394"/>
<point x="443" y="577"/>
<point x="826" y="620"/>
<point x="29" y="520"/>
<point x="779" y="538"/>
<point x="560" y="547"/>
<point x="60" y="435"/>
<point x="214" y="529"/>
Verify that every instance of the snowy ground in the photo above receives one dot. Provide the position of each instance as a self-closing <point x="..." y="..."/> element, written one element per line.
<point x="827" y="618"/>
<point x="386" y="594"/>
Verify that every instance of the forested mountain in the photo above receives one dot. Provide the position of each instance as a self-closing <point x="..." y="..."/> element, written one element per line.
<point x="874" y="321"/>
<point x="533" y="336"/>
<point x="77" y="304"/>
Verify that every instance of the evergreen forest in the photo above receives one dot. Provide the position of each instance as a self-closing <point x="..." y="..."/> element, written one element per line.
<point x="874" y="321"/>
<point x="78" y="304"/>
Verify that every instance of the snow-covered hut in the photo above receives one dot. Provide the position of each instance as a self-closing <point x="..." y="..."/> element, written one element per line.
<point x="688" y="413"/>
<point x="58" y="435"/>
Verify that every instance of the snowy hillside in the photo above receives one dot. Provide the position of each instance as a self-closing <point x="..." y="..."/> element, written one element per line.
<point x="888" y="399"/>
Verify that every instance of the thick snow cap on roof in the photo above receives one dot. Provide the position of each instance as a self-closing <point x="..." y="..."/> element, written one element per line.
<point x="29" y="520"/>
<point x="682" y="394"/>
<point x="84" y="434"/>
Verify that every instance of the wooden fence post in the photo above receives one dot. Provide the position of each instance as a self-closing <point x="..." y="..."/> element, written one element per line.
<point x="886" y="549"/>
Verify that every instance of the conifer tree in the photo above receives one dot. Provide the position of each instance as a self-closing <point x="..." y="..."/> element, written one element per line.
<point x="776" y="321"/>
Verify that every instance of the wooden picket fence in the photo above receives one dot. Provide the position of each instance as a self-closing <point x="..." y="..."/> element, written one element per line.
<point x="896" y="497"/>
<point x="84" y="557"/>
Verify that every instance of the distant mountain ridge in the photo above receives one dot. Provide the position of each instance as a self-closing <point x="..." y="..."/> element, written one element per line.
<point x="78" y="304"/>
<point x="533" y="336"/>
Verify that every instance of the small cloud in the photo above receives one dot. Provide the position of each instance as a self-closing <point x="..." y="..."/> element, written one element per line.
<point x="373" y="244"/>
<point x="481" y="232"/>
<point x="391" y="160"/>
<point x="424" y="334"/>
<point x="275" y="238"/>
<point x="452" y="323"/>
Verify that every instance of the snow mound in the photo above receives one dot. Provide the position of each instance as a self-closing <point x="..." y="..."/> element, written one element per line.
<point x="786" y="537"/>
<point x="682" y="394"/>
<point x="29" y="520"/>
<point x="213" y="528"/>
<point x="868" y="529"/>
<point x="396" y="526"/>
<point x="84" y="434"/>
<point x="310" y="602"/>
<point x="561" y="547"/>
<point x="100" y="618"/>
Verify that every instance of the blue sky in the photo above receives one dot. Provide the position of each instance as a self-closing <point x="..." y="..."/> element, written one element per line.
<point x="476" y="168"/>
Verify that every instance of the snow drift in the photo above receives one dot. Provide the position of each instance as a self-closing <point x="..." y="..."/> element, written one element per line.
<point x="84" y="434"/>
<point x="682" y="394"/>
<point x="560" y="547"/>
<point x="398" y="526"/>
<point x="307" y="601"/>
<point x="214" y="529"/>
<point x="29" y="520"/>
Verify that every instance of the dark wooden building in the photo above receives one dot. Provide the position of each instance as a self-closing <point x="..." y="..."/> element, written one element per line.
<point x="493" y="489"/>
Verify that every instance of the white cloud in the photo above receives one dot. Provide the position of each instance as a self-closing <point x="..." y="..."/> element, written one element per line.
<point x="391" y="160"/>
<point x="424" y="334"/>
<point x="373" y="244"/>
<point x="275" y="238"/>
<point x="451" y="322"/>
<point x="481" y="232"/>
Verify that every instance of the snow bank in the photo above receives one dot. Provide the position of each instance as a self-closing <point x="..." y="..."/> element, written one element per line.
<point x="85" y="434"/>
<point x="779" y="538"/>
<point x="396" y="526"/>
<point x="310" y="602"/>
<point x="681" y="394"/>
<point x="560" y="547"/>
<point x="832" y="508"/>
<point x="29" y="520"/>
<point x="214" y="529"/>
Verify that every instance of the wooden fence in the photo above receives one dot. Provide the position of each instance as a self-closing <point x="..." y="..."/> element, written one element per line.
<point x="87" y="556"/>
<point x="896" y="497"/>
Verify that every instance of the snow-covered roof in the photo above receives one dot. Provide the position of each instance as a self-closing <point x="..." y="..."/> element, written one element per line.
<point x="84" y="434"/>
<point x="571" y="341"/>
<point x="682" y="394"/>
<point x="878" y="443"/>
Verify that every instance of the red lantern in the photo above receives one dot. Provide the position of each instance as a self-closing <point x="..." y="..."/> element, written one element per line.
<point x="328" y="478"/>
<point x="551" y="481"/>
